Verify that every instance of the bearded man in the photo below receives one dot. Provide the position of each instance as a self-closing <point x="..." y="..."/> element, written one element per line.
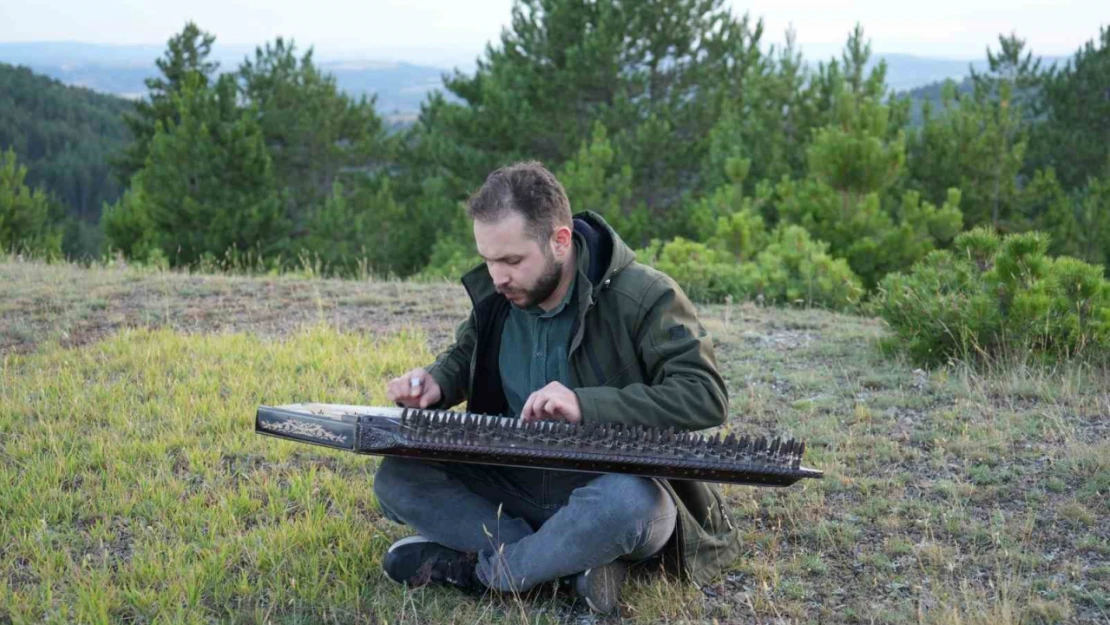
<point x="566" y="326"/>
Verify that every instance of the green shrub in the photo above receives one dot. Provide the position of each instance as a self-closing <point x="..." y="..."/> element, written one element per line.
<point x="82" y="241"/>
<point x="990" y="297"/>
<point x="450" y="260"/>
<point x="127" y="225"/>
<point x="453" y="252"/>
<point x="705" y="273"/>
<point x="794" y="268"/>
<point x="791" y="269"/>
<point x="359" y="231"/>
<point x="742" y="234"/>
<point x="875" y="238"/>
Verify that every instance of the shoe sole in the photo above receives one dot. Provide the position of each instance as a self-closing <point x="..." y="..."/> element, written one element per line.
<point x="601" y="609"/>
<point x="407" y="541"/>
<point x="401" y="543"/>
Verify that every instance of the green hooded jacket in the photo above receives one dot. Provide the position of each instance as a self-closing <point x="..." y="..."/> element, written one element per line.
<point x="638" y="355"/>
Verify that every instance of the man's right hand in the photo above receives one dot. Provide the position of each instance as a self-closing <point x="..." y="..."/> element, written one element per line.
<point x="415" y="389"/>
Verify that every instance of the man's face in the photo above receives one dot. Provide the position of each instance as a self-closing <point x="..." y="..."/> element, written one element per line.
<point x="523" y="270"/>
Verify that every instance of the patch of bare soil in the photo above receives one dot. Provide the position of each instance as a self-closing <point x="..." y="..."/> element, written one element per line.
<point x="76" y="306"/>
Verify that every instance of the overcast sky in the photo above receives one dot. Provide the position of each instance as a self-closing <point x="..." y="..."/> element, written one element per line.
<point x="447" y="32"/>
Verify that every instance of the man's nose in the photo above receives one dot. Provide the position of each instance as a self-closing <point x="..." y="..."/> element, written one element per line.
<point x="500" y="278"/>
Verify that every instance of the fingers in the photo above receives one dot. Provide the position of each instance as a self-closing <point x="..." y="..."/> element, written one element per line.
<point x="392" y="392"/>
<point x="526" y="412"/>
<point x="556" y="409"/>
<point x="411" y="389"/>
<point x="535" y="409"/>
<point x="544" y="404"/>
<point x="415" y="382"/>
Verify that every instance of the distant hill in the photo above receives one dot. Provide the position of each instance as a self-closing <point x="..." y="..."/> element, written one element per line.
<point x="400" y="86"/>
<point x="120" y="70"/>
<point x="906" y="72"/>
<point x="931" y="93"/>
<point x="65" y="135"/>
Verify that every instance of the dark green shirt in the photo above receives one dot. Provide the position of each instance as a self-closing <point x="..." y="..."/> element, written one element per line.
<point x="534" y="347"/>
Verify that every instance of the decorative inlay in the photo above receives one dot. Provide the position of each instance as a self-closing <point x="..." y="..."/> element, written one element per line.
<point x="304" y="429"/>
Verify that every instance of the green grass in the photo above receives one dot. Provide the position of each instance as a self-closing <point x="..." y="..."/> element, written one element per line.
<point x="133" y="489"/>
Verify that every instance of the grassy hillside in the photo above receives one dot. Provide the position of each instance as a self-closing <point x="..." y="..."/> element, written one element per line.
<point x="136" y="491"/>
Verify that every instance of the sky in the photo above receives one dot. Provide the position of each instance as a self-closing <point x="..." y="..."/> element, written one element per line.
<point x="454" y="32"/>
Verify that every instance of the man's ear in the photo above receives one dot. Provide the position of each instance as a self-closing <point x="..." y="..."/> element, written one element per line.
<point x="562" y="239"/>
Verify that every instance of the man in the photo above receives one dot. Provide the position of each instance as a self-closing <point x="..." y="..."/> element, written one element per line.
<point x="565" y="326"/>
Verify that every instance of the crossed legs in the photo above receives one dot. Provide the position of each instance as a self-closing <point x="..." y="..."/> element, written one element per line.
<point x="528" y="526"/>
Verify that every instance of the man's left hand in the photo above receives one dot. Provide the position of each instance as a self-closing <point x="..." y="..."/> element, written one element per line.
<point x="553" y="402"/>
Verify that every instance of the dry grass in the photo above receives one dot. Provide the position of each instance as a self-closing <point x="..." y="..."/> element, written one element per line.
<point x="134" y="489"/>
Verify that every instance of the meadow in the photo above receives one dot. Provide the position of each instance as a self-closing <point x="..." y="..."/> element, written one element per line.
<point x="134" y="490"/>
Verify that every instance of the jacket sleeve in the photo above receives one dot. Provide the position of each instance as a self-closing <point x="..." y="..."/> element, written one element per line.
<point x="451" y="369"/>
<point x="683" y="387"/>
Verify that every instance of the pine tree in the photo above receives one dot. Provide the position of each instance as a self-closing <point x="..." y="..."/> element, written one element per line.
<point x="27" y="216"/>
<point x="657" y="75"/>
<point x="127" y="226"/>
<point x="1074" y="138"/>
<point x="852" y="197"/>
<point x="1006" y="95"/>
<point x="977" y="142"/>
<point x="185" y="58"/>
<point x="208" y="182"/>
<point x="314" y="132"/>
<point x="593" y="180"/>
<point x="365" y="230"/>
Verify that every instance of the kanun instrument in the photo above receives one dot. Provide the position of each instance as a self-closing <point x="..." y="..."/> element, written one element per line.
<point x="450" y="436"/>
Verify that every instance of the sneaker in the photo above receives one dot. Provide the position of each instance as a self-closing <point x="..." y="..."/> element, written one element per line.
<point x="600" y="587"/>
<point x="417" y="561"/>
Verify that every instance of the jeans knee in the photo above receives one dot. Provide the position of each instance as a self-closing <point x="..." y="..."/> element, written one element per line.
<point x="393" y="482"/>
<point x="633" y="502"/>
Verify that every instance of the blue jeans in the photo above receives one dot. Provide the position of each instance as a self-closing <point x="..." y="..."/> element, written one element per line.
<point x="528" y="526"/>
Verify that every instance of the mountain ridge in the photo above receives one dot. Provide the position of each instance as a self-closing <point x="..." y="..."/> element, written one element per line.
<point x="399" y="85"/>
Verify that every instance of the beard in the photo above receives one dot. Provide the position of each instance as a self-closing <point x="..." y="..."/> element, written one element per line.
<point x="545" y="284"/>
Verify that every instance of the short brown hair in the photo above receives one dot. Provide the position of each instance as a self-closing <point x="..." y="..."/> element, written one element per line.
<point x="527" y="188"/>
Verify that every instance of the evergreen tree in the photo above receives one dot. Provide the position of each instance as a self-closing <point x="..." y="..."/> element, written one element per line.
<point x="1074" y="138"/>
<point x="971" y="145"/>
<point x="127" y="226"/>
<point x="27" y="216"/>
<point x="655" y="74"/>
<point x="1075" y="222"/>
<point x="852" y="197"/>
<point x="767" y="125"/>
<point x="185" y="58"/>
<point x="977" y="142"/>
<point x="314" y="132"/>
<point x="1005" y="94"/>
<point x="208" y="185"/>
<point x="594" y="180"/>
<point x="1016" y="69"/>
<point x="367" y="230"/>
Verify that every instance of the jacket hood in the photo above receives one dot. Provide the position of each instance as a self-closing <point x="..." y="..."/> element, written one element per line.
<point x="606" y="254"/>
